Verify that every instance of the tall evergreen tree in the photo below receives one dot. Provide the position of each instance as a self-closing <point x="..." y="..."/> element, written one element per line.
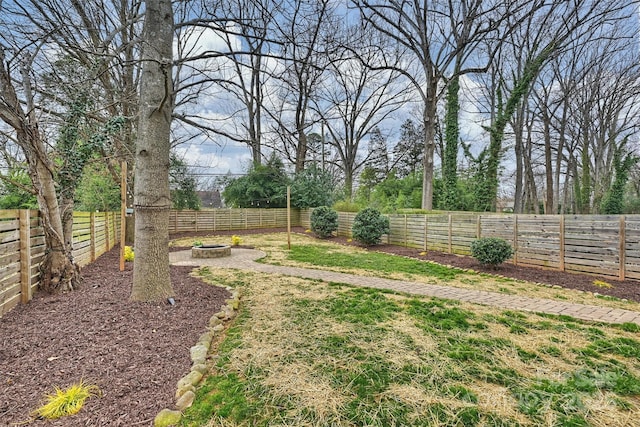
<point x="408" y="151"/>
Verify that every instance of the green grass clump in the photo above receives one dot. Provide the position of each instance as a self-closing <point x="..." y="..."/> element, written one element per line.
<point x="222" y="396"/>
<point x="66" y="402"/>
<point x="439" y="314"/>
<point x="319" y="255"/>
<point x="362" y="306"/>
<point x="622" y="346"/>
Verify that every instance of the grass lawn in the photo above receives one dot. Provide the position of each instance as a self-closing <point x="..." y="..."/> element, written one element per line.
<point x="309" y="353"/>
<point x="323" y="254"/>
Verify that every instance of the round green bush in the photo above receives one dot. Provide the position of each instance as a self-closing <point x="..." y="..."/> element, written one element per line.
<point x="369" y="225"/>
<point x="324" y="221"/>
<point x="491" y="250"/>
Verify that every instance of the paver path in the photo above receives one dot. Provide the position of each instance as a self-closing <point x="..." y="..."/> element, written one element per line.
<point x="244" y="259"/>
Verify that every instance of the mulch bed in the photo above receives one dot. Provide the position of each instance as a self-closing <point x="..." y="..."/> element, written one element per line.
<point x="627" y="289"/>
<point x="134" y="352"/>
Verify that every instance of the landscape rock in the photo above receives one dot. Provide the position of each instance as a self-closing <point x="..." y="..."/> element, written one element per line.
<point x="192" y="378"/>
<point x="200" y="367"/>
<point x="185" y="400"/>
<point x="198" y="353"/>
<point x="167" y="418"/>
<point x="183" y="388"/>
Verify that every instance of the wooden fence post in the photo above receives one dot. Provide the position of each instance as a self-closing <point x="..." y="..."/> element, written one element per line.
<point x="246" y="219"/>
<point x="562" y="268"/>
<point x="406" y="236"/>
<point x="92" y="227"/>
<point x="196" y="217"/>
<point x="515" y="239"/>
<point x="450" y="242"/>
<point x="25" y="256"/>
<point x="623" y="247"/>
<point x="425" y="233"/>
<point x="479" y="227"/>
<point x="175" y="221"/>
<point x="106" y="230"/>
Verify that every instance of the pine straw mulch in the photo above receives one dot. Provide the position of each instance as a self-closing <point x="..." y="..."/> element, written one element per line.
<point x="134" y="352"/>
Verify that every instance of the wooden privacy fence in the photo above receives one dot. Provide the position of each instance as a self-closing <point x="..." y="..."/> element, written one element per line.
<point x="230" y="219"/>
<point x="607" y="245"/>
<point x="22" y="248"/>
<point x="597" y="244"/>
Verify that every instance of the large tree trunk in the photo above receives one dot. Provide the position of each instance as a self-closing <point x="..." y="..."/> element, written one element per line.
<point x="301" y="150"/>
<point x="450" y="153"/>
<point x="151" y="280"/>
<point x="550" y="208"/>
<point x="58" y="271"/>
<point x="429" y="122"/>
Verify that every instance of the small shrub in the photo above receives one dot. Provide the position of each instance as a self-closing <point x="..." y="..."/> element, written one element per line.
<point x="324" y="221"/>
<point x="491" y="251"/>
<point x="602" y="284"/>
<point x="66" y="402"/>
<point x="197" y="243"/>
<point x="236" y="240"/>
<point x="369" y="225"/>
<point x="128" y="254"/>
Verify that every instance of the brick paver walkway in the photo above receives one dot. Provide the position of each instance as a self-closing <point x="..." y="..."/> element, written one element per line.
<point x="244" y="259"/>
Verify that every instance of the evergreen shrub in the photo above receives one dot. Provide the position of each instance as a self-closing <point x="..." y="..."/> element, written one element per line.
<point x="491" y="250"/>
<point x="369" y="225"/>
<point x="324" y="221"/>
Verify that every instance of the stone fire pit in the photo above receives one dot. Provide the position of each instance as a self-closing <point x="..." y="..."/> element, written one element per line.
<point x="211" y="251"/>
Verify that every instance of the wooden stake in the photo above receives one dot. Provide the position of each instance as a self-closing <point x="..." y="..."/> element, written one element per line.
<point x="289" y="217"/>
<point x="450" y="234"/>
<point x="562" y="268"/>
<point x="623" y="248"/>
<point x="123" y="211"/>
<point x="515" y="239"/>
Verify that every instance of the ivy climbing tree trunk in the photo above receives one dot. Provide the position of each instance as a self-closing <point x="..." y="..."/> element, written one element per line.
<point x="152" y="200"/>
<point x="486" y="200"/>
<point x="58" y="271"/>
<point x="450" y="157"/>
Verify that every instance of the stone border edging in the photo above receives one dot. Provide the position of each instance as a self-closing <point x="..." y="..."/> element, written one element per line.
<point x="186" y="386"/>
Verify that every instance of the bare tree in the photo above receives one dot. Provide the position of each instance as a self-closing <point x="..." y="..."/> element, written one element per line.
<point x="236" y="73"/>
<point x="94" y="69"/>
<point x="439" y="37"/>
<point x="354" y="100"/>
<point x="604" y="117"/>
<point x="582" y="99"/>
<point x="306" y="33"/>
<point x="152" y="199"/>
<point x="546" y="33"/>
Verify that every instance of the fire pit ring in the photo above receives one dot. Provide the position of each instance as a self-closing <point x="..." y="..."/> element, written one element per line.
<point x="210" y="251"/>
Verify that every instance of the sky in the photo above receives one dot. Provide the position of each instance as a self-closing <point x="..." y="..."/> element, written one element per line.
<point x="211" y="157"/>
